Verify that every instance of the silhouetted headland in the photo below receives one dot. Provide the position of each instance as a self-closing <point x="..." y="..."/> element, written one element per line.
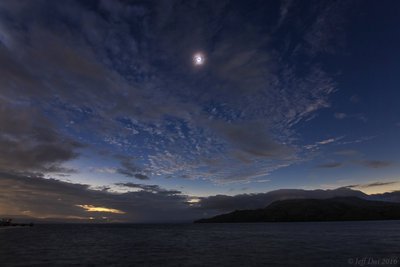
<point x="303" y="210"/>
<point x="8" y="222"/>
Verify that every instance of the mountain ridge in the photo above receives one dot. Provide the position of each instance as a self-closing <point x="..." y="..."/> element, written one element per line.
<point x="332" y="209"/>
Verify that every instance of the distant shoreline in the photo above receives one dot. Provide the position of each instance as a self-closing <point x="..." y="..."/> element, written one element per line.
<point x="8" y="222"/>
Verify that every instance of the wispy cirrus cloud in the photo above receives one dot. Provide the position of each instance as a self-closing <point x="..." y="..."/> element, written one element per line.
<point x="375" y="184"/>
<point x="347" y="153"/>
<point x="323" y="142"/>
<point x="356" y="141"/>
<point x="340" y="115"/>
<point x="105" y="170"/>
<point x="375" y="163"/>
<point x="329" y="166"/>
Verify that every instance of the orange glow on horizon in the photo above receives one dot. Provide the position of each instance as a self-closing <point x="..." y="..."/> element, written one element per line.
<point x="100" y="209"/>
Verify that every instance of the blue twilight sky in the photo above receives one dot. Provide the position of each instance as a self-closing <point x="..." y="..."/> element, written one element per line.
<point x="106" y="97"/>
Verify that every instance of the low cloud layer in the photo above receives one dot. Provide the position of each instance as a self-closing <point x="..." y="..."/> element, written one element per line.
<point x="38" y="197"/>
<point x="30" y="142"/>
<point x="150" y="188"/>
<point x="41" y="198"/>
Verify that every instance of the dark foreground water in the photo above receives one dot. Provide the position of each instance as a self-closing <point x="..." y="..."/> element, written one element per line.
<point x="373" y="243"/>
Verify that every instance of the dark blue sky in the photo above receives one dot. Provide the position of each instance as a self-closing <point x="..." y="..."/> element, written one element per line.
<point x="105" y="97"/>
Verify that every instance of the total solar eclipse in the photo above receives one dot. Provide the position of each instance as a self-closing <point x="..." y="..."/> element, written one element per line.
<point x="198" y="59"/>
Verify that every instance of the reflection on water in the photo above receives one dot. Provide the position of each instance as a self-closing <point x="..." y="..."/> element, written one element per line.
<point x="258" y="244"/>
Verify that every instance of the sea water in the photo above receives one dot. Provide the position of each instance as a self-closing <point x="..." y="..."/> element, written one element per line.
<point x="357" y="243"/>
